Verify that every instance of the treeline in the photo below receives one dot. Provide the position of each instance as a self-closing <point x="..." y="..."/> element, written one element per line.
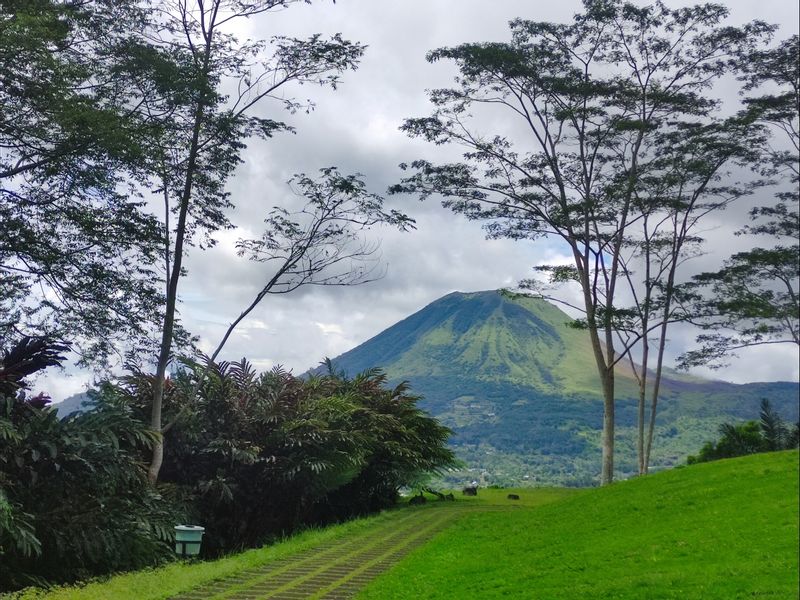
<point x="251" y="457"/>
<point x="769" y="434"/>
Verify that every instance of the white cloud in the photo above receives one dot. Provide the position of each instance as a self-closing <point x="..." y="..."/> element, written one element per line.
<point x="356" y="128"/>
<point x="330" y="328"/>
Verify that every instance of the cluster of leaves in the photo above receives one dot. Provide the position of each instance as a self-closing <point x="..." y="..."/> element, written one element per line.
<point x="251" y="457"/>
<point x="77" y="248"/>
<point x="266" y="453"/>
<point x="74" y="499"/>
<point x="768" y="434"/>
<point x="753" y="298"/>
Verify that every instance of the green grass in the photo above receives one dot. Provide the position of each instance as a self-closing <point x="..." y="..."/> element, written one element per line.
<point x="528" y="497"/>
<point x="720" y="530"/>
<point x="156" y="584"/>
<point x="162" y="582"/>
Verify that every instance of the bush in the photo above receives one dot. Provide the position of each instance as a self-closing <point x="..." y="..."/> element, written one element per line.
<point x="74" y="499"/>
<point x="249" y="456"/>
<point x="770" y="433"/>
<point x="265" y="454"/>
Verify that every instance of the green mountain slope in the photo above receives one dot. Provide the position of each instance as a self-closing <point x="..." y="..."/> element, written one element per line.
<point x="519" y="387"/>
<point x="716" y="531"/>
<point x="487" y="336"/>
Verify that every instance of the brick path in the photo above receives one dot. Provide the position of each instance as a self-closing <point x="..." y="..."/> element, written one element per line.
<point x="335" y="570"/>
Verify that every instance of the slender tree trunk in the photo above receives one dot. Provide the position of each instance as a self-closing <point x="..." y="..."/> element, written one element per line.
<point x="607" y="383"/>
<point x="662" y="342"/>
<point x="288" y="264"/>
<point x="677" y="245"/>
<point x="640" y="417"/>
<point x="165" y="349"/>
<point x="654" y="399"/>
<point x="607" y="472"/>
<point x="167" y="331"/>
<point x="640" y="452"/>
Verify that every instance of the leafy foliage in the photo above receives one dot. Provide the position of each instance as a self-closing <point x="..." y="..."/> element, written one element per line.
<point x="326" y="448"/>
<point x="74" y="500"/>
<point x="767" y="435"/>
<point x="252" y="456"/>
<point x="77" y="249"/>
<point x="752" y="299"/>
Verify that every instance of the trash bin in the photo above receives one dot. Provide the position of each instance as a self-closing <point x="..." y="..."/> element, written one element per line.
<point x="188" y="539"/>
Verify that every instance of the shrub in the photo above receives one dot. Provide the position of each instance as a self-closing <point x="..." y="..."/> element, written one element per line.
<point x="768" y="434"/>
<point x="264" y="454"/>
<point x="74" y="500"/>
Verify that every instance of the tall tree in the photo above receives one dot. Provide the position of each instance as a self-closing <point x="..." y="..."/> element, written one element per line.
<point x="194" y="58"/>
<point x="691" y="174"/>
<point x="588" y="103"/>
<point x="753" y="299"/>
<point x="77" y="250"/>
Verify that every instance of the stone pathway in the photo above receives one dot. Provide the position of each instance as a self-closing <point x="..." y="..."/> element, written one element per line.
<point x="335" y="570"/>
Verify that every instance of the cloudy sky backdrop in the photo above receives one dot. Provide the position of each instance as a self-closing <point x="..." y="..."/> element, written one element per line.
<point x="356" y="129"/>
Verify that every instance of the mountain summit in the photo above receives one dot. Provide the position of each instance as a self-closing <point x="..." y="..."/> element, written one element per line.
<point x="488" y="336"/>
<point x="519" y="387"/>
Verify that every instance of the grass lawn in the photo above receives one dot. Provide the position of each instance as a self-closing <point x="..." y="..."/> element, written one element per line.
<point x="528" y="497"/>
<point x="721" y="530"/>
<point x="162" y="582"/>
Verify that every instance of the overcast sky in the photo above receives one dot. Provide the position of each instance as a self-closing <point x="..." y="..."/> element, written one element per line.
<point x="356" y="129"/>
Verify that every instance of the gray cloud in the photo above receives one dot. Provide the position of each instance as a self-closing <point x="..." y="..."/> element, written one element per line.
<point x="356" y="128"/>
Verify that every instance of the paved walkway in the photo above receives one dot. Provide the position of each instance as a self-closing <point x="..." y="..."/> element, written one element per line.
<point x="338" y="569"/>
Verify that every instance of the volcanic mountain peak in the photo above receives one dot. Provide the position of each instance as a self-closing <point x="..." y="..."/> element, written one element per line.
<point x="519" y="388"/>
<point x="486" y="335"/>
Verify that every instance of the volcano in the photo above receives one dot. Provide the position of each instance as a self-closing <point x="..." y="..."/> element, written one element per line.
<point x="519" y="388"/>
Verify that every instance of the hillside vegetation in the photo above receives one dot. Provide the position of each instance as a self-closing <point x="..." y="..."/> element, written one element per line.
<point x="725" y="530"/>
<point x="520" y="389"/>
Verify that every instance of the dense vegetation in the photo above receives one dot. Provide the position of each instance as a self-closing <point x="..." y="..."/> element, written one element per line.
<point x="768" y="434"/>
<point x="518" y="388"/>
<point x="73" y="498"/>
<point x="720" y="530"/>
<point x="251" y="457"/>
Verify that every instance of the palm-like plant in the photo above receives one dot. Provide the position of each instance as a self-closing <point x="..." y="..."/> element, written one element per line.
<point x="773" y="429"/>
<point x="770" y="433"/>
<point x="264" y="453"/>
<point x="74" y="501"/>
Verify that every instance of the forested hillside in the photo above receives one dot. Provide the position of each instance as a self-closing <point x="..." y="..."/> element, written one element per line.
<point x="520" y="389"/>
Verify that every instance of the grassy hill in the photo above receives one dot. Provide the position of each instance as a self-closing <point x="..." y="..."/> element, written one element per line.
<point x="721" y="530"/>
<point x="713" y="531"/>
<point x="519" y="387"/>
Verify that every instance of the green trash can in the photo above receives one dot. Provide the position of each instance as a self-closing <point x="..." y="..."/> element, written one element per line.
<point x="188" y="539"/>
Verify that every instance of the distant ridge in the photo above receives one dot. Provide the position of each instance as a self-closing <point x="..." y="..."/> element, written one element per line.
<point x="76" y="402"/>
<point x="519" y="387"/>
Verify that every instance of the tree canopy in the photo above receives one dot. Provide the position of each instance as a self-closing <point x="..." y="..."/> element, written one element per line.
<point x="611" y="142"/>
<point x="77" y="247"/>
<point x="753" y="299"/>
